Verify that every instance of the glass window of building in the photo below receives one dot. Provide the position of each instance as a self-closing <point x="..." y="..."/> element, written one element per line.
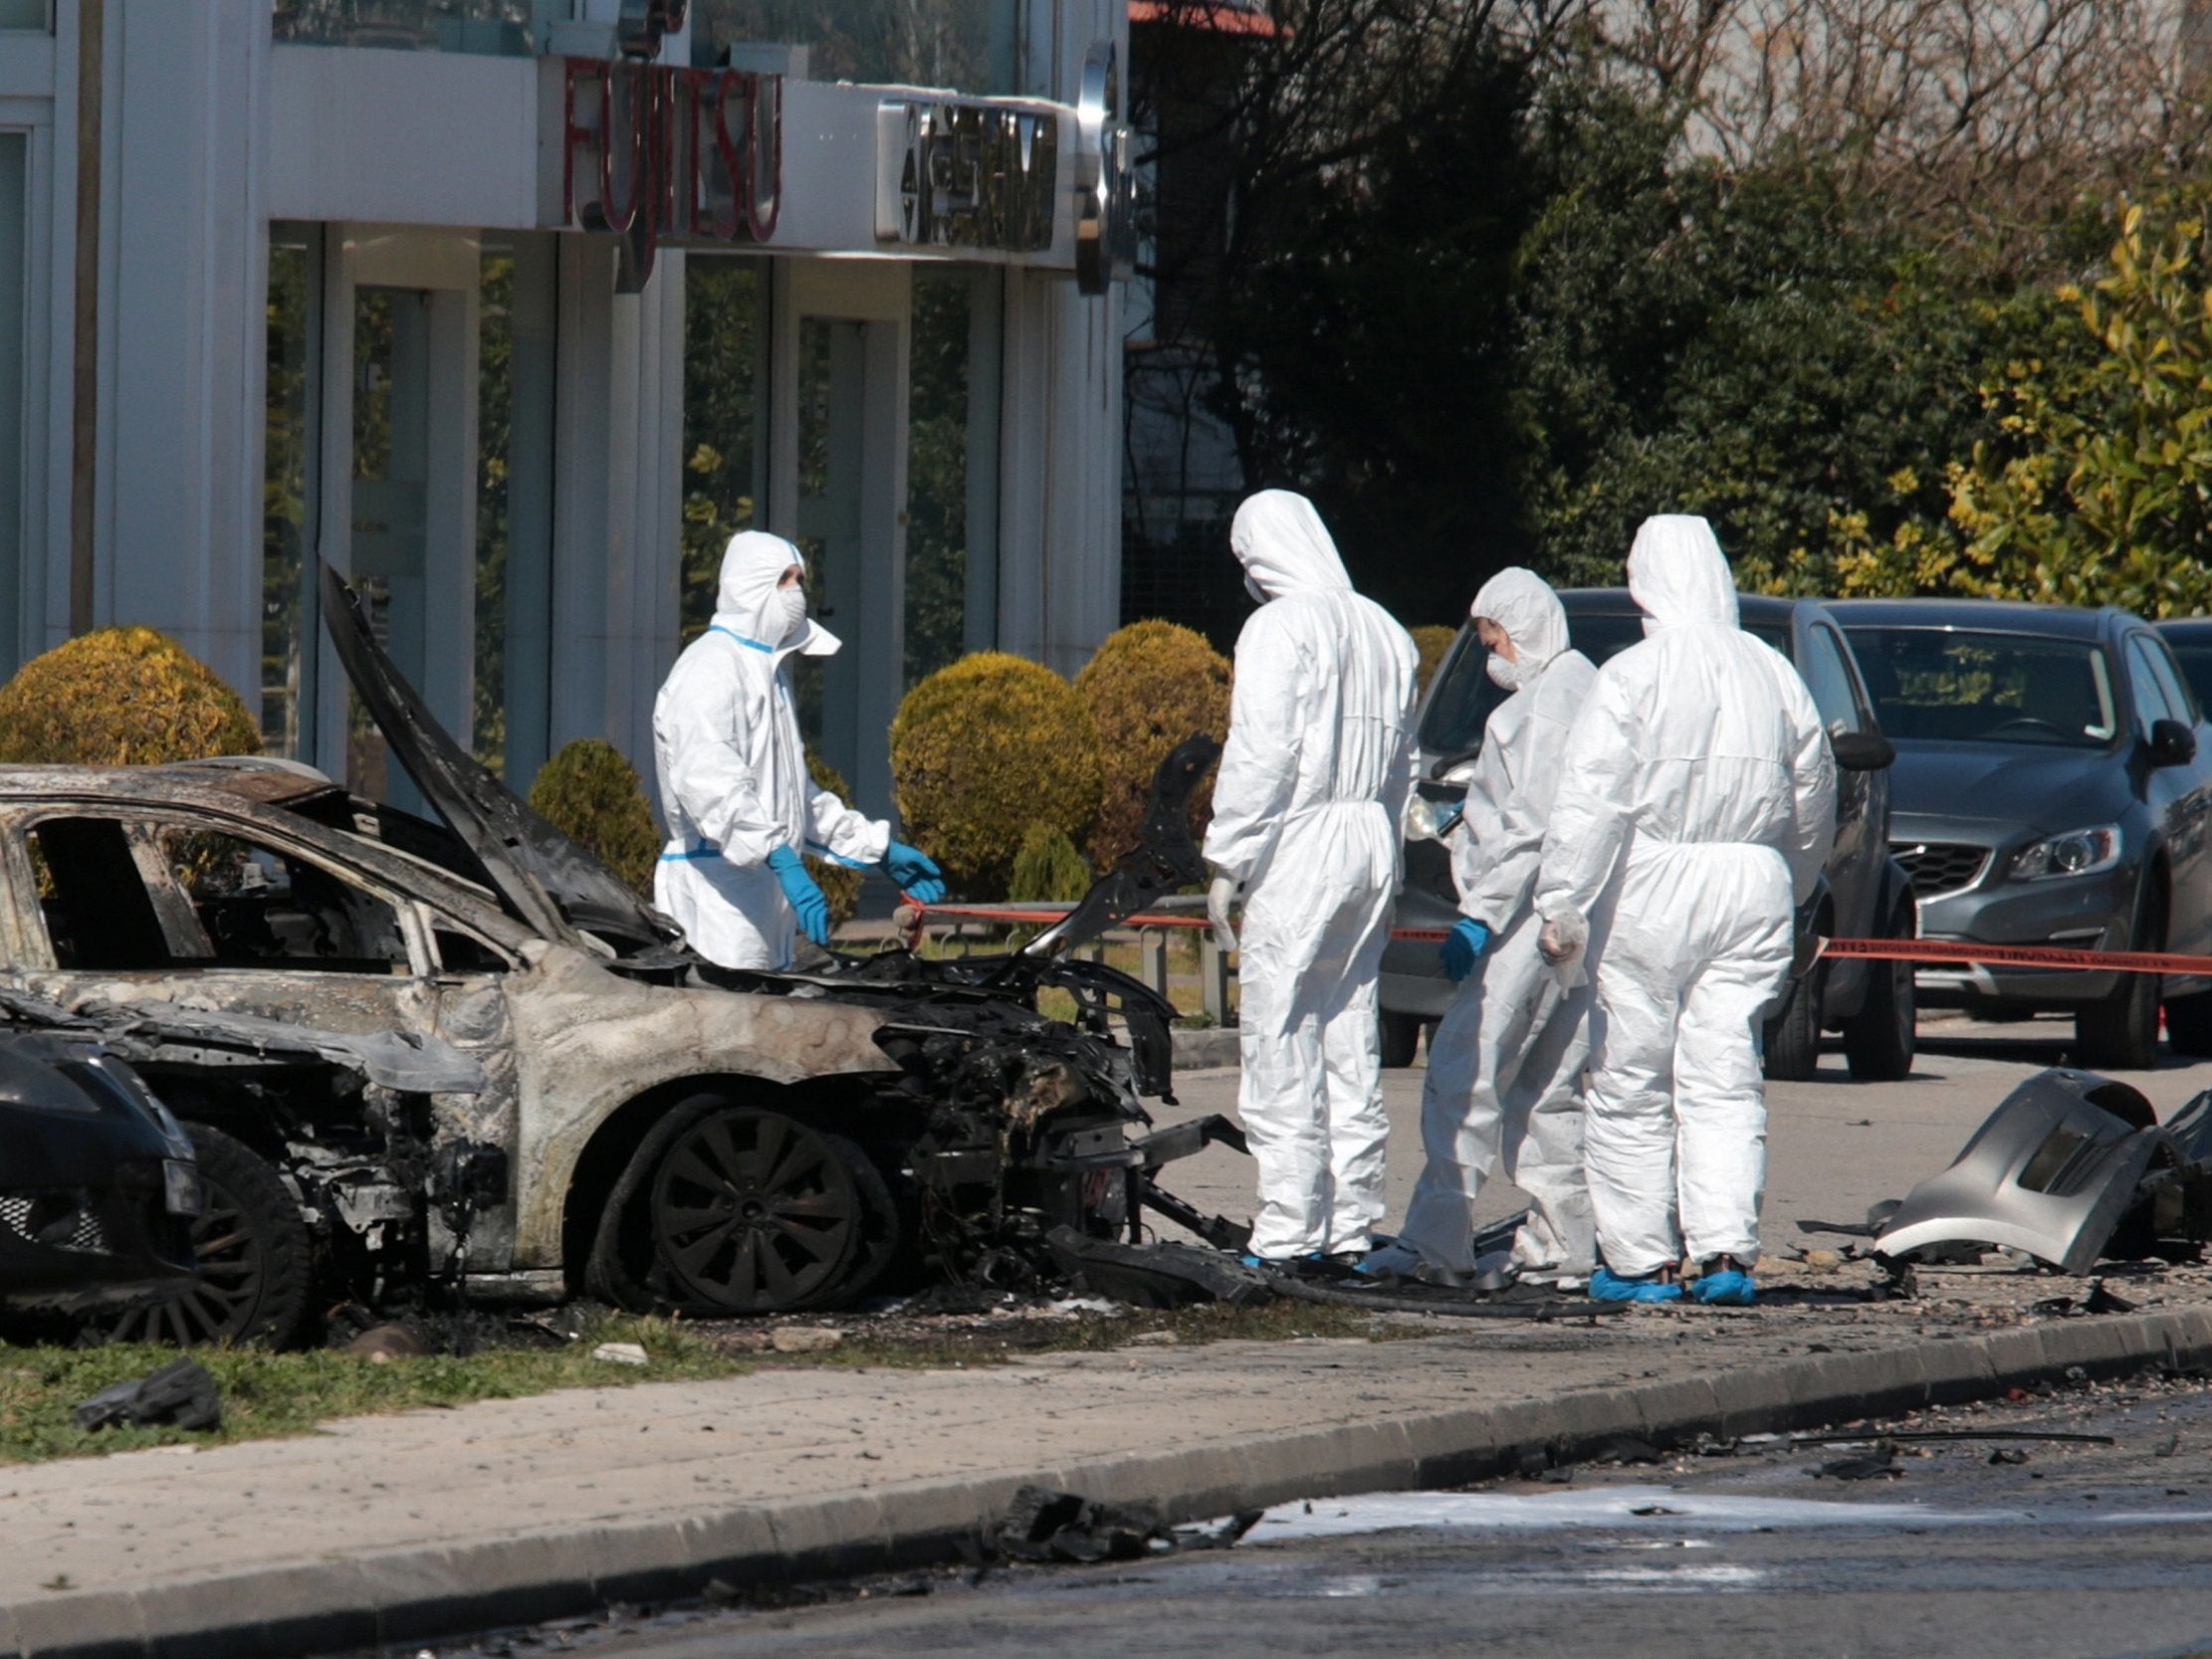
<point x="512" y="695"/>
<point x="13" y="232"/>
<point x="288" y="609"/>
<point x="499" y="28"/>
<point x="952" y="585"/>
<point x="725" y="301"/>
<point x="964" y="44"/>
<point x="35" y="16"/>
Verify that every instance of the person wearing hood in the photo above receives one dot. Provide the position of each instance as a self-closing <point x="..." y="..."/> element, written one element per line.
<point x="1308" y="806"/>
<point x="1505" y="1062"/>
<point x="739" y="803"/>
<point x="1696" y="805"/>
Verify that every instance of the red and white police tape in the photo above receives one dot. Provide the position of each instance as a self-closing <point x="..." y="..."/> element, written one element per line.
<point x="1877" y="949"/>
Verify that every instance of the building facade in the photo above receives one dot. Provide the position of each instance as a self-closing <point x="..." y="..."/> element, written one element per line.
<point x="512" y="309"/>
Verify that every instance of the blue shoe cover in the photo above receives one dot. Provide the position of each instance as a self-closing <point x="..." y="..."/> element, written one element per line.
<point x="1608" y="1285"/>
<point x="1726" y="1289"/>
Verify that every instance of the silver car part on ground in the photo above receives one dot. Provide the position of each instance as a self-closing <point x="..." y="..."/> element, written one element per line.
<point x="2067" y="1163"/>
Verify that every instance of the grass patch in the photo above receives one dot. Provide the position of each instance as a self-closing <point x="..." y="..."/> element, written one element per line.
<point x="273" y="1394"/>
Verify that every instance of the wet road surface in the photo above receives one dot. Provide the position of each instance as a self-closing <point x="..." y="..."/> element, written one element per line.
<point x="2079" y="1550"/>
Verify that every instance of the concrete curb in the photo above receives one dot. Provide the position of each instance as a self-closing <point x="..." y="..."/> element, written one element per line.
<point x="419" y="1594"/>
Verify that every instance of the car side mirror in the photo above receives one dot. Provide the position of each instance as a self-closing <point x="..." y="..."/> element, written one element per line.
<point x="1862" y="751"/>
<point x="2171" y="743"/>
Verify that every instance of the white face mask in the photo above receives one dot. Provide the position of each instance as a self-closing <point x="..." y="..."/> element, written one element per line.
<point x="1508" y="675"/>
<point x="792" y="600"/>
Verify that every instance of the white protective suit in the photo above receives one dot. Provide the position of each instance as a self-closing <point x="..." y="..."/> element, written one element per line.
<point x="733" y="773"/>
<point x="1306" y="812"/>
<point x="1505" y="1062"/>
<point x="1696" y="806"/>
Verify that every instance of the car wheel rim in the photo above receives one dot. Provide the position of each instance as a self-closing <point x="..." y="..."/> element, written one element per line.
<point x="754" y="1211"/>
<point x="221" y="1300"/>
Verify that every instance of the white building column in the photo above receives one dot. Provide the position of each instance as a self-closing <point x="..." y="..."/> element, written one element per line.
<point x="617" y="498"/>
<point x="1059" y="536"/>
<point x="184" y="274"/>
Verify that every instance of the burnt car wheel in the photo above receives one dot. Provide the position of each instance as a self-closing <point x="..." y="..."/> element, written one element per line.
<point x="729" y="1209"/>
<point x="256" y="1260"/>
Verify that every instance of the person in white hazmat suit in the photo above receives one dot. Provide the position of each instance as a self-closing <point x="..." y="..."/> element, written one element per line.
<point x="1696" y="804"/>
<point x="1505" y="1062"/>
<point x="1307" y="805"/>
<point x="735" y="792"/>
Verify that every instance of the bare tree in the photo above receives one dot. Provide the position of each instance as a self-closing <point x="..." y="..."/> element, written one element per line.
<point x="1982" y="113"/>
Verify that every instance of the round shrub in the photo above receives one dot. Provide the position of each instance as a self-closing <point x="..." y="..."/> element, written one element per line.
<point x="1048" y="868"/>
<point x="121" y="697"/>
<point x="841" y="882"/>
<point x="1151" y="685"/>
<point x="985" y="748"/>
<point x="1431" y="642"/>
<point x="590" y="792"/>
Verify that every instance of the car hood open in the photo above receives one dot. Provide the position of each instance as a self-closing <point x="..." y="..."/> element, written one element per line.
<point x="544" y="879"/>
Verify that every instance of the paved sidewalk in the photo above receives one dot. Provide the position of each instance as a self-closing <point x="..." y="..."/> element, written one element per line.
<point x="397" y="1527"/>
<point x="405" y="1527"/>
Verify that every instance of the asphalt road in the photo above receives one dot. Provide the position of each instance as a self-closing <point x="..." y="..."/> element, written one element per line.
<point x="2078" y="1551"/>
<point x="1834" y="1146"/>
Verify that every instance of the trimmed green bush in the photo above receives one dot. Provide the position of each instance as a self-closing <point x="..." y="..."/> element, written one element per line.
<point x="841" y="882"/>
<point x="1048" y="868"/>
<point x="1150" y="685"/>
<point x="981" y="750"/>
<point x="120" y="697"/>
<point x="591" y="793"/>
<point x="1431" y="642"/>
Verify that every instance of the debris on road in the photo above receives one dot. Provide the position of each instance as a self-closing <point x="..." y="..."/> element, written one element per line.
<point x="180" y="1393"/>
<point x="1880" y="1464"/>
<point x="2071" y="1167"/>
<point x="805" y="1339"/>
<point x="622" y="1353"/>
<point x="1041" y="1525"/>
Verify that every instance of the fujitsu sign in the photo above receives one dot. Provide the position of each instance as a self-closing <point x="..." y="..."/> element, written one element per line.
<point x="654" y="153"/>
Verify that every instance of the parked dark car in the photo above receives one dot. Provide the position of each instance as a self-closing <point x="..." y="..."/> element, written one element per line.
<point x="2052" y="788"/>
<point x="98" y="1185"/>
<point x="1864" y="892"/>
<point x="2190" y="641"/>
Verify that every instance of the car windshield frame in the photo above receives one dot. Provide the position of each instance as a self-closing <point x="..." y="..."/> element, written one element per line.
<point x="1462" y="698"/>
<point x="1896" y="717"/>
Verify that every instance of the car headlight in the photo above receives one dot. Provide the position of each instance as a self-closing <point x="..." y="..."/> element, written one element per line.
<point x="2082" y="852"/>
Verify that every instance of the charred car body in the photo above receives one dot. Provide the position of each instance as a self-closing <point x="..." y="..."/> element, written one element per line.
<point x="465" y="1055"/>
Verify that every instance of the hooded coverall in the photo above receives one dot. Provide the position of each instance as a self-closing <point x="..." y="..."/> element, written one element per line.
<point x="1505" y="1062"/>
<point x="1696" y="808"/>
<point x="1308" y="806"/>
<point x="732" y="769"/>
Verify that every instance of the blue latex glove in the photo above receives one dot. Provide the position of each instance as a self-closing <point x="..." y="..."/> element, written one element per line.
<point x="914" y="872"/>
<point x="1468" y="939"/>
<point x="806" y="899"/>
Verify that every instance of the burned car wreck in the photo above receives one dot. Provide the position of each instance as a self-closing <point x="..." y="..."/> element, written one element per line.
<point x="460" y="1059"/>
<point x="2069" y="1168"/>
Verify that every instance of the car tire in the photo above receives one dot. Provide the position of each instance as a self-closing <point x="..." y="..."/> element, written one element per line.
<point x="758" y="1263"/>
<point x="1792" y="1051"/>
<point x="2120" y="1032"/>
<point x="255" y="1281"/>
<point x="1880" y="1040"/>
<point x="2190" y="1025"/>
<point x="1401" y="1039"/>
